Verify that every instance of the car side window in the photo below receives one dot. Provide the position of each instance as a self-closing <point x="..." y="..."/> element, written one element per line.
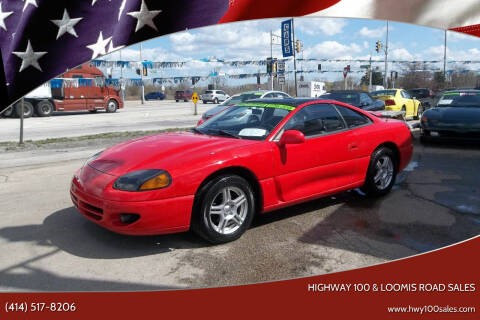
<point x="353" y="118"/>
<point x="316" y="119"/>
<point x="405" y="95"/>
<point x="268" y="95"/>
<point x="365" y="98"/>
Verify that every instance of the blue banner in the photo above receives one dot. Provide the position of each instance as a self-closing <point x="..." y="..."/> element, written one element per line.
<point x="287" y="47"/>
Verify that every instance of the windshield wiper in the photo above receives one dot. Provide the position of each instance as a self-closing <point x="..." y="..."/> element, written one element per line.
<point x="195" y="130"/>
<point x="228" y="134"/>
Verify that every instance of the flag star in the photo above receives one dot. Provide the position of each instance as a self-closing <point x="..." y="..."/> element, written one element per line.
<point x="94" y="1"/>
<point x="111" y="48"/>
<point x="98" y="48"/>
<point x="144" y="17"/>
<point x="3" y="16"/>
<point x="120" y="10"/>
<point x="29" y="57"/>
<point x="32" y="2"/>
<point x="66" y="24"/>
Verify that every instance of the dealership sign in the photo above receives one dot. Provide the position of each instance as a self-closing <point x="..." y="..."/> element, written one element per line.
<point x="287" y="47"/>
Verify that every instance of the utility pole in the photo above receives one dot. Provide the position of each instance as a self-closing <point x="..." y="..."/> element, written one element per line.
<point x="294" y="61"/>
<point x="370" y="74"/>
<point x="271" y="57"/>
<point x="142" y="98"/>
<point x="445" y="58"/>
<point x="385" y="80"/>
<point x="122" y="84"/>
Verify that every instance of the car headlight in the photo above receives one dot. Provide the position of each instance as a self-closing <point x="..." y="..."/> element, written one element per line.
<point x="143" y="180"/>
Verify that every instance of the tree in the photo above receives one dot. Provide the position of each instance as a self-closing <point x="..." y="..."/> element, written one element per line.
<point x="377" y="78"/>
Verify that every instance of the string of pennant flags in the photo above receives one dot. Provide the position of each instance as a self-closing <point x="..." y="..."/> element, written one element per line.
<point x="157" y="81"/>
<point x="138" y="82"/>
<point x="236" y="63"/>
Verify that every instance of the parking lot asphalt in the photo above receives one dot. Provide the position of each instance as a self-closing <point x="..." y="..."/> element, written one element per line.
<point x="48" y="246"/>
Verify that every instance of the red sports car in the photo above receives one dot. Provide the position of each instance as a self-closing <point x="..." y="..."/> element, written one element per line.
<point x="215" y="178"/>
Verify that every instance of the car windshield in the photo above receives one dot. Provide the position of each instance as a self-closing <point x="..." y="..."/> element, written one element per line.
<point x="347" y="97"/>
<point x="252" y="121"/>
<point x="460" y="99"/>
<point x="232" y="100"/>
<point x="383" y="93"/>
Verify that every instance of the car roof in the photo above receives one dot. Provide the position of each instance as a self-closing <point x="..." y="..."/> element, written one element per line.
<point x="346" y="91"/>
<point x="293" y="102"/>
<point x="461" y="90"/>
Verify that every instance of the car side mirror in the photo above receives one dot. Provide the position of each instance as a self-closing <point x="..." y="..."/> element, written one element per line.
<point x="291" y="137"/>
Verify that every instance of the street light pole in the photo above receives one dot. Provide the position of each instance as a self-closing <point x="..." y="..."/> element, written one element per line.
<point x="385" y="81"/>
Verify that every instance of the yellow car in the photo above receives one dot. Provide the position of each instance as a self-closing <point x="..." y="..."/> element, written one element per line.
<point x="399" y="100"/>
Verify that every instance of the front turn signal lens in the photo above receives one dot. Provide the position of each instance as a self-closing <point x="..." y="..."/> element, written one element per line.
<point x="143" y="180"/>
<point x="161" y="181"/>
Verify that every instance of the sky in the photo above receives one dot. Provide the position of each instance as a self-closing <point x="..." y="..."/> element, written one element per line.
<point x="322" y="38"/>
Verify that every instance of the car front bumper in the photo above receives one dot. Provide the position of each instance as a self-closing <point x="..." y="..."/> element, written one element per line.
<point x="151" y="217"/>
<point x="432" y="133"/>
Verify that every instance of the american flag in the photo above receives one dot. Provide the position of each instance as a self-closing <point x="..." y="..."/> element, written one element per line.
<point x="40" y="39"/>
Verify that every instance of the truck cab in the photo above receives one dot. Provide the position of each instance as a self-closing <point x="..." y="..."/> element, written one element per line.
<point x="80" y="89"/>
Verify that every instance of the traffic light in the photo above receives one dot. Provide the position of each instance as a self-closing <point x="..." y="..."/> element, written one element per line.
<point x="378" y="46"/>
<point x="269" y="65"/>
<point x="298" y="45"/>
<point x="319" y="67"/>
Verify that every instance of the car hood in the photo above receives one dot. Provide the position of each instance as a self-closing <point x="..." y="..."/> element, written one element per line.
<point x="469" y="116"/>
<point x="163" y="151"/>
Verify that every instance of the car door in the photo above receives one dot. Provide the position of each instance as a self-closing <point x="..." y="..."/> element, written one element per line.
<point x="323" y="163"/>
<point x="409" y="103"/>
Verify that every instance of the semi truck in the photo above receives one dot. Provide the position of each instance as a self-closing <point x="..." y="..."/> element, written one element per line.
<point x="80" y="89"/>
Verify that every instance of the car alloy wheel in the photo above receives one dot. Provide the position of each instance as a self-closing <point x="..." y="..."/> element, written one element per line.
<point x="226" y="208"/>
<point x="381" y="172"/>
<point x="384" y="172"/>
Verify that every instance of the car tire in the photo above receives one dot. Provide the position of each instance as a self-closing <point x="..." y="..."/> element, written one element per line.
<point x="27" y="109"/>
<point x="176" y="100"/>
<point x="223" y="209"/>
<point x="215" y="100"/>
<point x="381" y="173"/>
<point x="204" y="102"/>
<point x="44" y="108"/>
<point x="419" y="112"/>
<point x="112" y="106"/>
